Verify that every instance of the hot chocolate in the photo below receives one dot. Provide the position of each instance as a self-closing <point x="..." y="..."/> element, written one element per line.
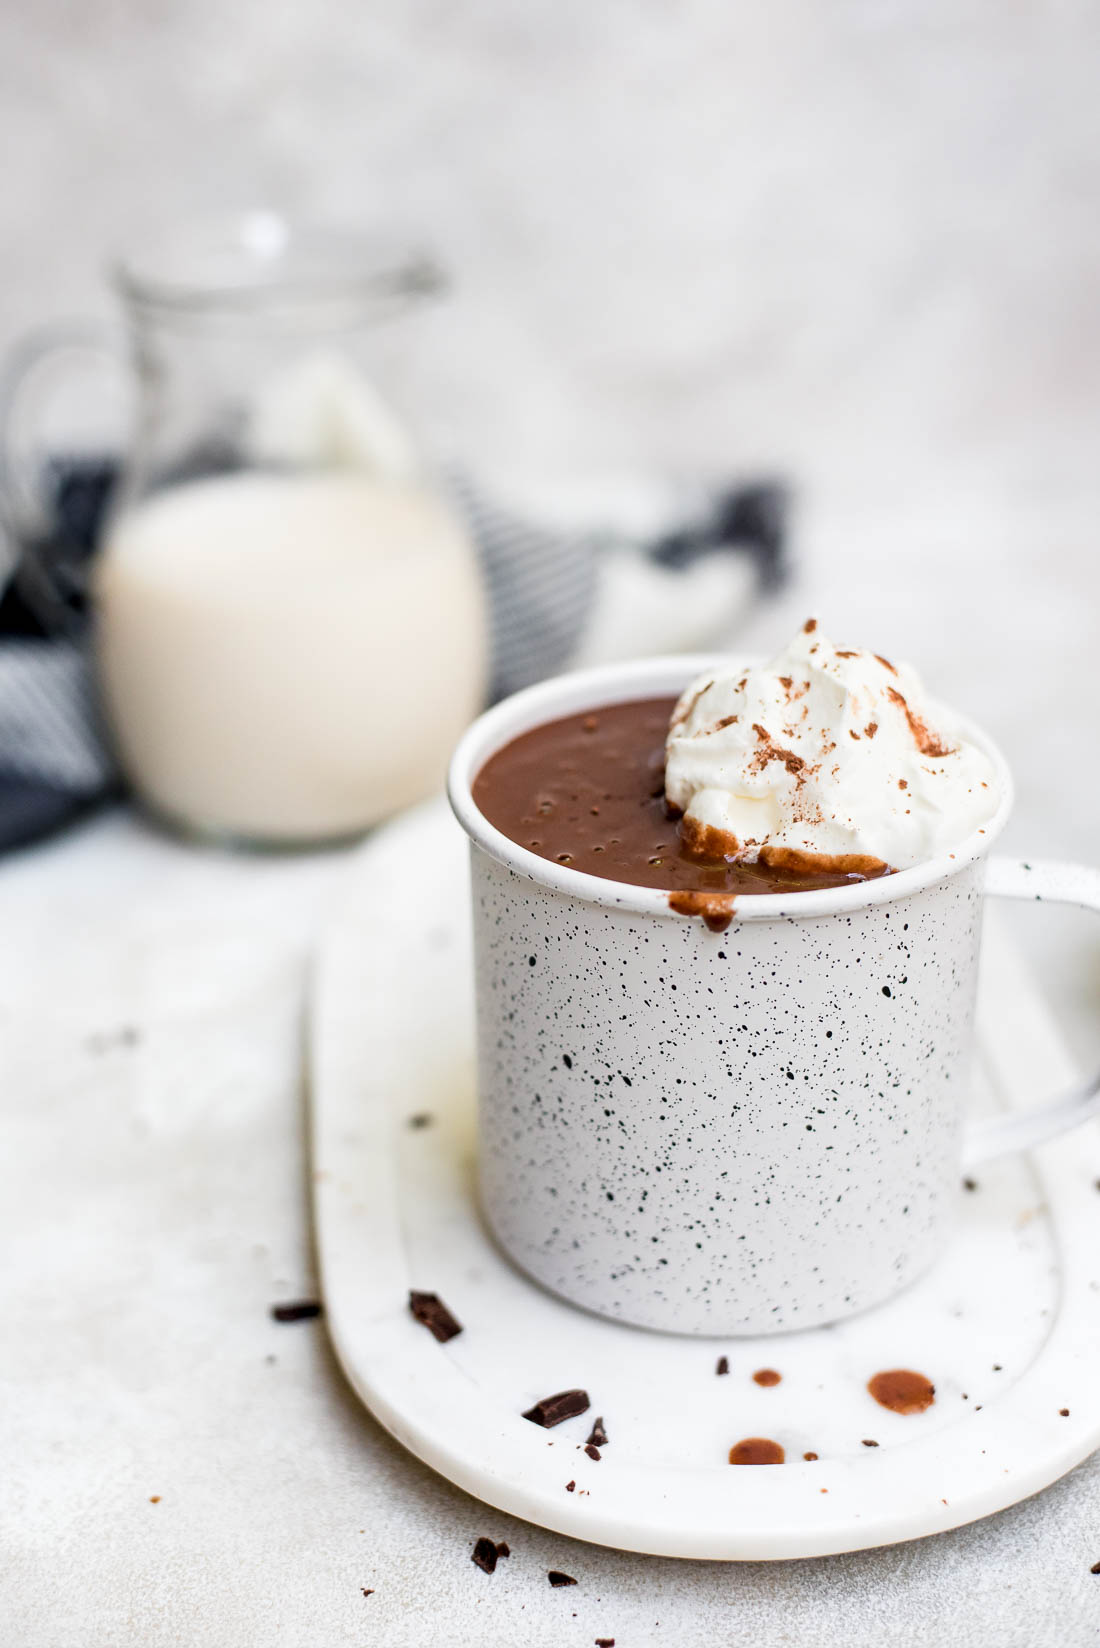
<point x="824" y="767"/>
<point x="588" y="790"/>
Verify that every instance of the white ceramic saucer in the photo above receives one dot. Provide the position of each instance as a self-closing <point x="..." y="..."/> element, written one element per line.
<point x="1007" y="1326"/>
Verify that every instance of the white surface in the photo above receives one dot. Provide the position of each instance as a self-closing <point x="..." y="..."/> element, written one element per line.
<point x="395" y="1209"/>
<point x="153" y="1206"/>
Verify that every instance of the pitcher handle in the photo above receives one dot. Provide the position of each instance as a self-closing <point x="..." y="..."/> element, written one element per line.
<point x="45" y="580"/>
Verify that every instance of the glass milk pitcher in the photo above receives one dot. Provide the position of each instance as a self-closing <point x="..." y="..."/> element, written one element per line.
<point x="288" y="619"/>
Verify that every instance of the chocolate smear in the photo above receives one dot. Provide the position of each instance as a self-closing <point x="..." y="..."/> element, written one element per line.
<point x="553" y="1409"/>
<point x="716" y="909"/>
<point x="432" y="1313"/>
<point x="902" y="1391"/>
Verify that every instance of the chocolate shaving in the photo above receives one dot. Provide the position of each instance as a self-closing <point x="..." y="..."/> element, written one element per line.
<point x="609" y="1642"/>
<point x="367" y="1591"/>
<point x="303" y="1311"/>
<point x="558" y="1579"/>
<point x="429" y="1309"/>
<point x="551" y="1410"/>
<point x="723" y="1365"/>
<point x="570" y="1487"/>
<point x="809" y="626"/>
<point x="598" y="1436"/>
<point x="593" y="1453"/>
<point x="868" y="1443"/>
<point x="885" y="662"/>
<point x="484" y="1555"/>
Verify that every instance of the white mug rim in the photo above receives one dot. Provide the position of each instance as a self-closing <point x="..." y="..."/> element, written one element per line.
<point x="652" y="677"/>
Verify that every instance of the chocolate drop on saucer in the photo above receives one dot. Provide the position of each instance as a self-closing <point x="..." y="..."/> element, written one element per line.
<point x="757" y="1450"/>
<point x="902" y="1391"/>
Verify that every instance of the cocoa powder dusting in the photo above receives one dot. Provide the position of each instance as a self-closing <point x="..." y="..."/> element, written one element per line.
<point x="902" y="1391"/>
<point x="885" y="662"/>
<point x="772" y="752"/>
<point x="923" y="737"/>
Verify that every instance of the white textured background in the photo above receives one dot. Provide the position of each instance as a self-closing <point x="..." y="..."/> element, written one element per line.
<point x="856" y="241"/>
<point x="859" y="239"/>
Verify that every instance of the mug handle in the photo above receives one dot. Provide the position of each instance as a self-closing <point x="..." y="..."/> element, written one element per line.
<point x="1051" y="883"/>
<point x="24" y="510"/>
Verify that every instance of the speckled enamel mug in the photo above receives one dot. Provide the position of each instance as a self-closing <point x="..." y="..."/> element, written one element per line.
<point x="731" y="1132"/>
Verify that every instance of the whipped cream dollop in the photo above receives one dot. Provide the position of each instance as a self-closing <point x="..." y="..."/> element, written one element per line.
<point x="823" y="753"/>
